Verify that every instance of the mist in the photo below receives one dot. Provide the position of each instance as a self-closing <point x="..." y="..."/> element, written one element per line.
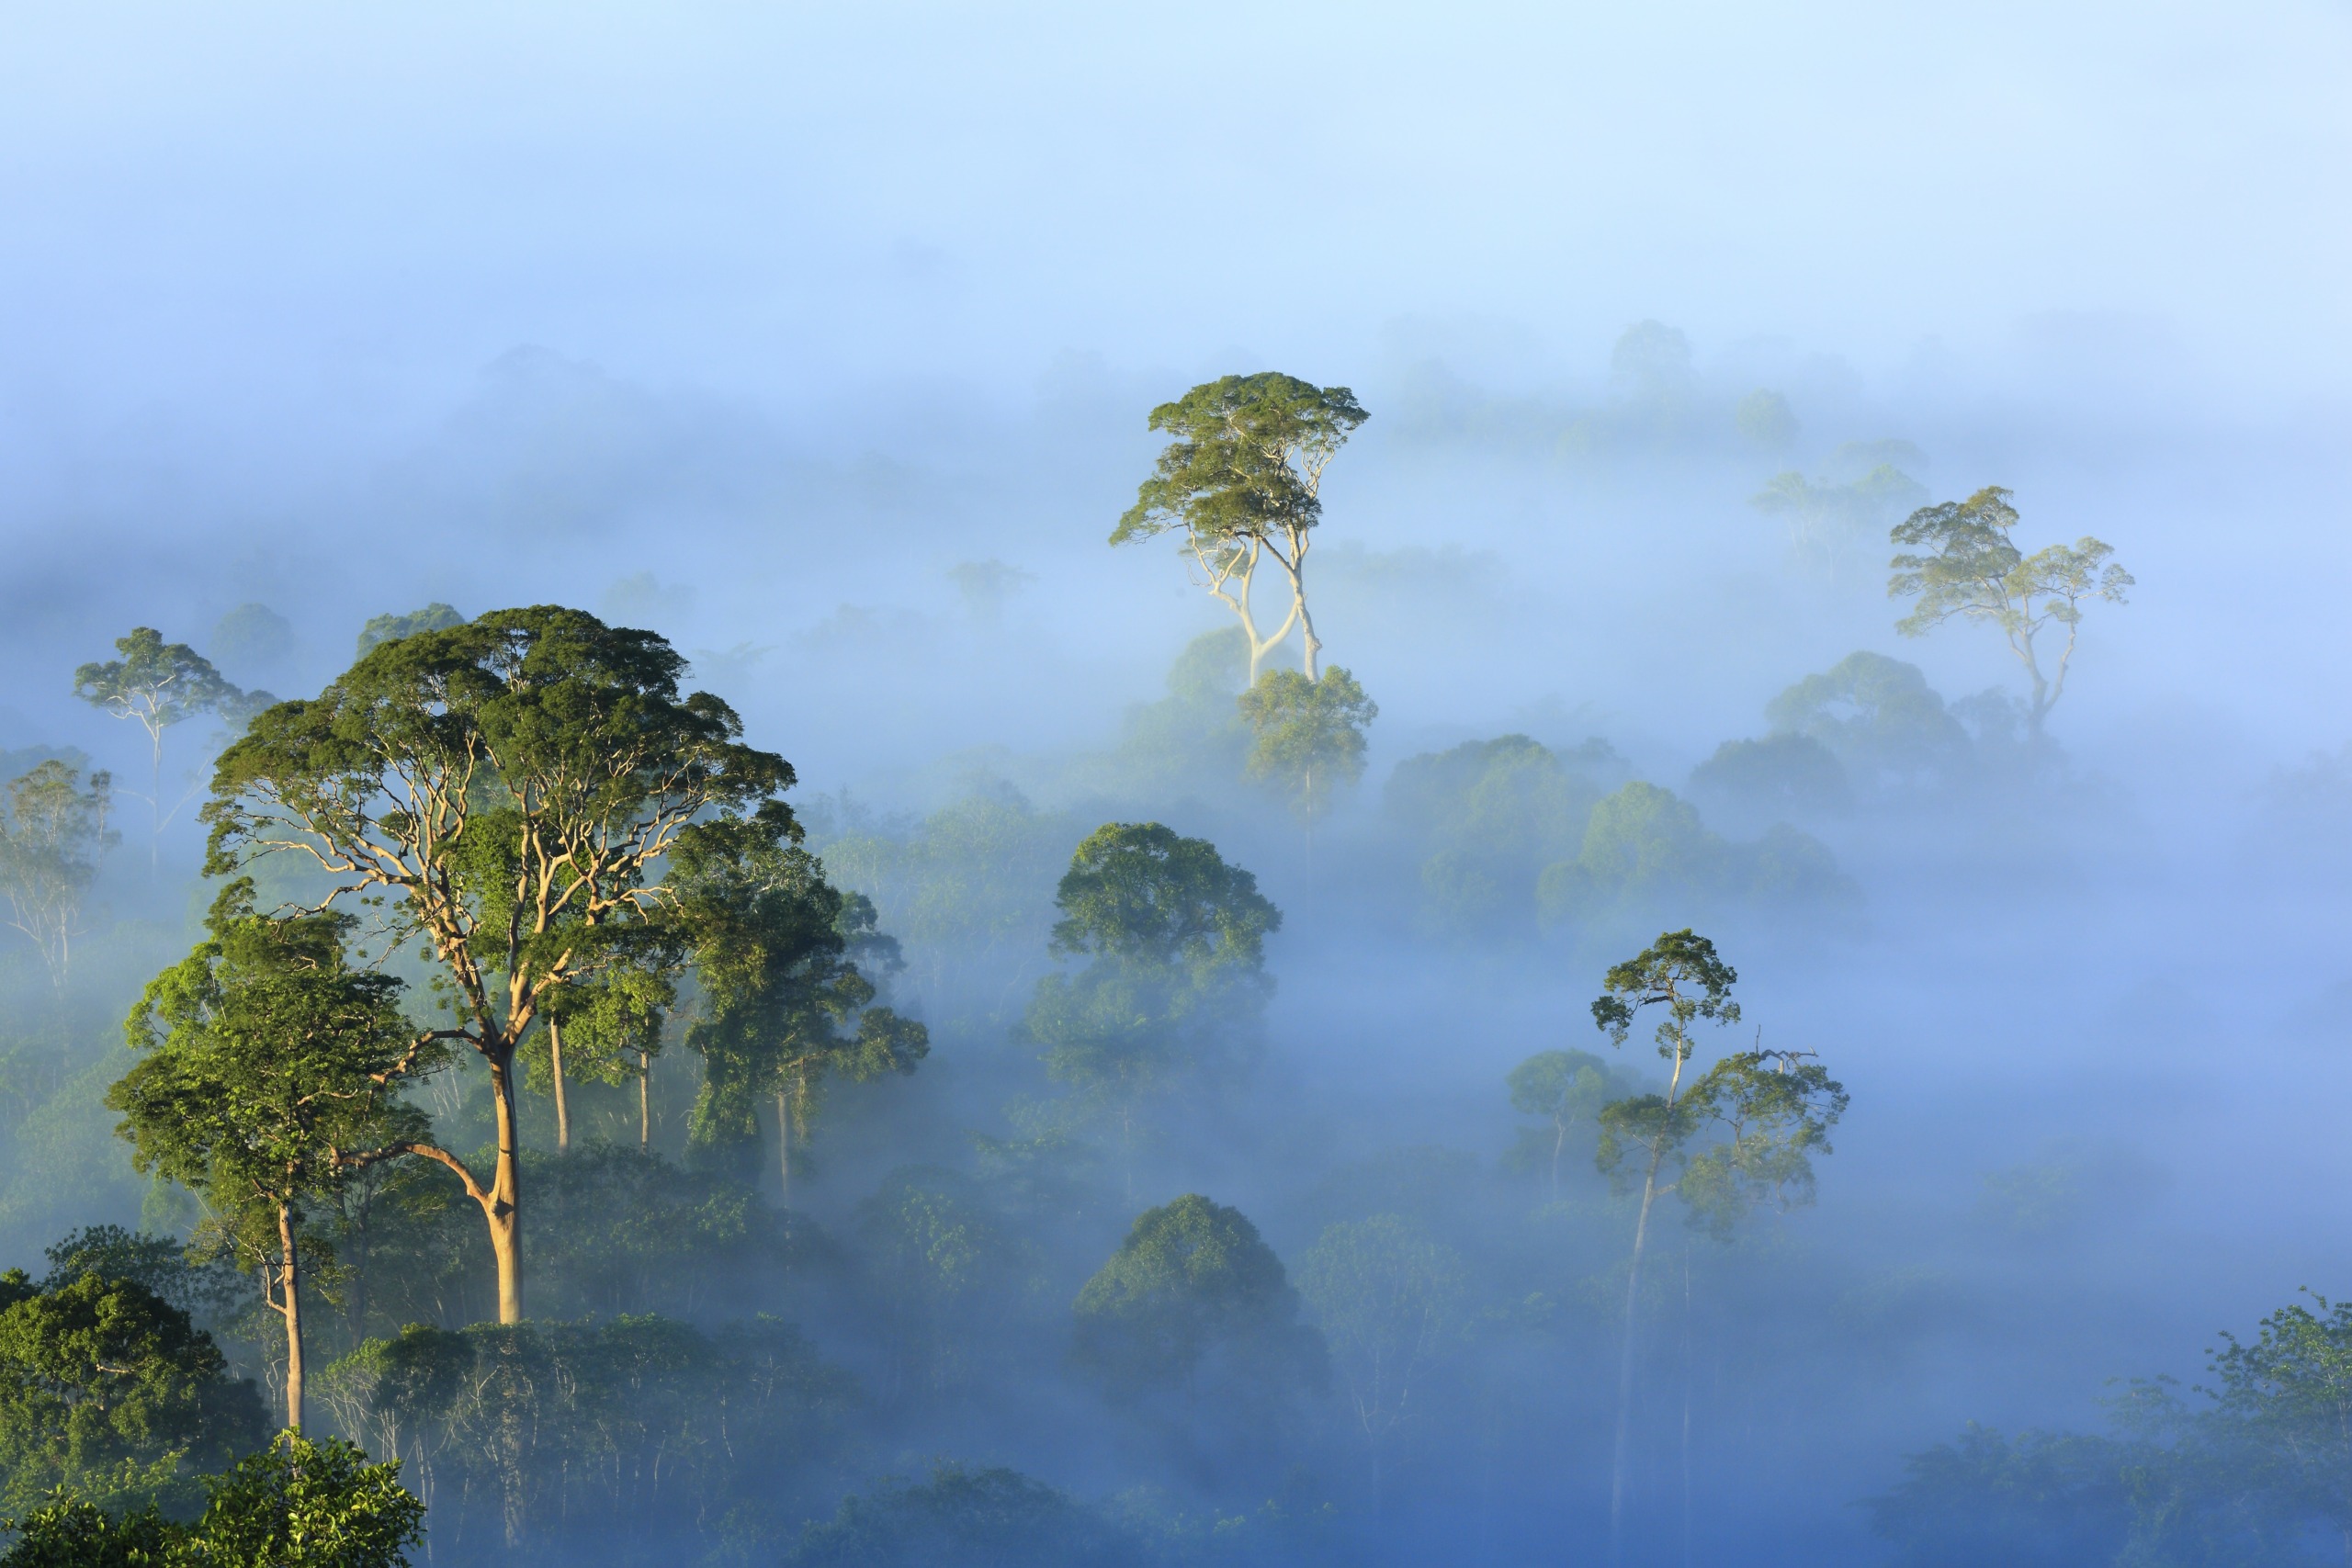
<point x="822" y="342"/>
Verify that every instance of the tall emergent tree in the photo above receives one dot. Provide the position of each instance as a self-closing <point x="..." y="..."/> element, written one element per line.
<point x="270" y="1069"/>
<point x="1175" y="943"/>
<point x="509" y="790"/>
<point x="1774" y="1109"/>
<point x="157" y="684"/>
<point x="1971" y="570"/>
<point x="787" y="1005"/>
<point x="1242" y="481"/>
<point x="51" y="833"/>
<point x="1308" y="735"/>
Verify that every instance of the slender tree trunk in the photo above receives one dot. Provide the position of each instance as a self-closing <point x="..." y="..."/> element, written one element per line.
<point x="503" y="1206"/>
<point x="783" y="1146"/>
<point x="555" y="1069"/>
<point x="1686" y="1401"/>
<point x="289" y="1286"/>
<point x="154" y="801"/>
<point x="1559" y="1140"/>
<point x="1621" y="1452"/>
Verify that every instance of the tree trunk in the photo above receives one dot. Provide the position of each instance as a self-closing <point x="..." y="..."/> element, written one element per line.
<point x="555" y="1070"/>
<point x="155" y="802"/>
<point x="289" y="1286"/>
<point x="502" y="1205"/>
<point x="1622" y="1451"/>
<point x="783" y="1146"/>
<point x="644" y="1101"/>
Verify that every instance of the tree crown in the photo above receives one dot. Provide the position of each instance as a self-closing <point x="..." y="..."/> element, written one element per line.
<point x="1246" y="459"/>
<point x="156" y="682"/>
<point x="1141" y="891"/>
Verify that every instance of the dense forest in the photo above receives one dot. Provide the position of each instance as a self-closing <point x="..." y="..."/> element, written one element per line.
<point x="491" y="1070"/>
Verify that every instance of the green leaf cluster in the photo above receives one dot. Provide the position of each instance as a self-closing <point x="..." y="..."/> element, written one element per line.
<point x="1192" y="1283"/>
<point x="108" y="1389"/>
<point x="294" y="1505"/>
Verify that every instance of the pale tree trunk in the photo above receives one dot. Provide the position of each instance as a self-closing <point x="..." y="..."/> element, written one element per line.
<point x="555" y="1071"/>
<point x="154" y="800"/>
<point x="289" y="1287"/>
<point x="1621" y="1452"/>
<point x="502" y="1205"/>
<point x="1241" y="569"/>
<point x="644" y="1101"/>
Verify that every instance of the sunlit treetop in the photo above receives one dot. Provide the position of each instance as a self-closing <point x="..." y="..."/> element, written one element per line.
<point x="1140" y="890"/>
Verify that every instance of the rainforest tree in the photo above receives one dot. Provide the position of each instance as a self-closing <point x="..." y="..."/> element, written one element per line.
<point x="1242" y="481"/>
<point x="269" y="1071"/>
<point x="1971" y="571"/>
<point x="1174" y="939"/>
<point x="786" y="1003"/>
<point x="507" y="792"/>
<point x="1773" y="1110"/>
<point x="52" y="831"/>
<point x="156" y="684"/>
<point x="1308" y="735"/>
<point x="108" y="1388"/>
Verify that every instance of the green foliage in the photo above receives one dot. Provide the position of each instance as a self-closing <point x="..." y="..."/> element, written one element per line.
<point x="106" y="1388"/>
<point x="1307" y="735"/>
<point x="1390" y="1299"/>
<point x="1567" y="1090"/>
<point x="1247" y="457"/>
<point x="2283" y="1410"/>
<point x="969" y="891"/>
<point x="435" y="617"/>
<point x="1766" y="419"/>
<point x="203" y="1287"/>
<point x="1192" y="1294"/>
<point x="1141" y="893"/>
<point x="1775" y="778"/>
<point x="154" y="682"/>
<point x="631" y="1429"/>
<point x="303" y="1504"/>
<point x="996" y="1516"/>
<point x="294" y="1505"/>
<point x="1879" y="718"/>
<point x="1830" y="519"/>
<point x="1175" y="979"/>
<point x="1485" y="818"/>
<point x="511" y="791"/>
<point x="2040" y="1501"/>
<point x="1972" y="571"/>
<point x="1194" y="737"/>
<point x="1242" y="481"/>
<point x="1772" y="1111"/>
<point x="51" y="833"/>
<point x="267" y="1064"/>
<point x="1645" y="854"/>
<point x="948" y="1274"/>
<point x="786" y="1005"/>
